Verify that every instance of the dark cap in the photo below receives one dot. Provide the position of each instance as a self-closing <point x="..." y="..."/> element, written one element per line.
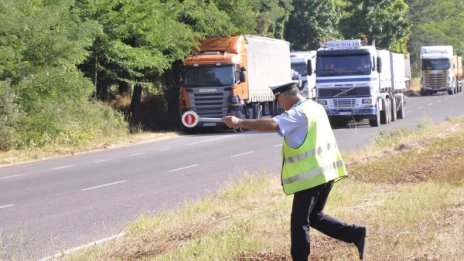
<point x="278" y="89"/>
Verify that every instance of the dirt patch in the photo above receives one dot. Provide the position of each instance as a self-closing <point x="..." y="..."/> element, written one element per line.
<point x="262" y="256"/>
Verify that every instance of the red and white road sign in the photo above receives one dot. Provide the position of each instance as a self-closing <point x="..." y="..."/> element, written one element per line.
<point x="190" y="119"/>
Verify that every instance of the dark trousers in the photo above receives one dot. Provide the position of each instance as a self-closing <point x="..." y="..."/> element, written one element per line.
<point x="307" y="212"/>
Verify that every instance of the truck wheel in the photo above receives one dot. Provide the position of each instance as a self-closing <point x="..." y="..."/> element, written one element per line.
<point x="383" y="113"/>
<point x="401" y="111"/>
<point x="450" y="92"/>
<point x="375" y="122"/>
<point x="389" y="115"/>
<point x="393" y="109"/>
<point x="257" y="111"/>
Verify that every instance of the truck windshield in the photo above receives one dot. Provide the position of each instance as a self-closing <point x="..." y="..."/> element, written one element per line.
<point x="435" y="64"/>
<point x="343" y="64"/>
<point x="300" y="68"/>
<point x="208" y="76"/>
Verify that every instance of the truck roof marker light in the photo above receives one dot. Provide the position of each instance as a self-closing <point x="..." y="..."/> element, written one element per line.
<point x="196" y="65"/>
<point x="218" y="64"/>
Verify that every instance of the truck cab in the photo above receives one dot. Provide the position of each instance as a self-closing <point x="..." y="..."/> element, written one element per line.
<point x="304" y="62"/>
<point x="355" y="81"/>
<point x="231" y="76"/>
<point x="438" y="72"/>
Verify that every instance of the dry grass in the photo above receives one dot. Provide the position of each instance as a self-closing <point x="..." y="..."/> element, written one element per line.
<point x="409" y="194"/>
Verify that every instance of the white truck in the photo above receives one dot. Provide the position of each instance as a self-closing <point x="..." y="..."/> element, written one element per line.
<point x="304" y="63"/>
<point x="439" y="70"/>
<point x="231" y="76"/>
<point x="356" y="82"/>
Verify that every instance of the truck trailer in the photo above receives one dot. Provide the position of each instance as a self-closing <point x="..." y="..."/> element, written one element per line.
<point x="356" y="81"/>
<point x="304" y="63"/>
<point x="441" y="70"/>
<point x="232" y="75"/>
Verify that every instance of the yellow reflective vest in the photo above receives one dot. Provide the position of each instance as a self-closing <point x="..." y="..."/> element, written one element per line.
<point x="318" y="159"/>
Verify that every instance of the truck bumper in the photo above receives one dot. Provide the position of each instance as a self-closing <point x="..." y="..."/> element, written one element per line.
<point x="357" y="113"/>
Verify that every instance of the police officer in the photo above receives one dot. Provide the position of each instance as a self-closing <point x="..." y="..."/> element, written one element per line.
<point x="311" y="163"/>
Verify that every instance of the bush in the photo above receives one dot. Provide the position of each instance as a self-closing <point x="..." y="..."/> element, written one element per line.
<point x="10" y="115"/>
<point x="58" y="111"/>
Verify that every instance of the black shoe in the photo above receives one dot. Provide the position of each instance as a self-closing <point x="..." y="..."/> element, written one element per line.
<point x="360" y="244"/>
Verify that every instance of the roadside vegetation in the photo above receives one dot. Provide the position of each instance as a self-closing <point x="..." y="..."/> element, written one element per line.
<point x="407" y="187"/>
<point x="66" y="64"/>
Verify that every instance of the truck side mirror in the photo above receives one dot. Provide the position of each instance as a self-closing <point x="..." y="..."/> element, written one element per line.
<point x="309" y="68"/>
<point x="379" y="65"/>
<point x="242" y="74"/>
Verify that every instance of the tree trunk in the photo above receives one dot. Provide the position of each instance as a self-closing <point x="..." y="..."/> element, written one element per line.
<point x="172" y="79"/>
<point x="123" y="87"/>
<point x="135" y="107"/>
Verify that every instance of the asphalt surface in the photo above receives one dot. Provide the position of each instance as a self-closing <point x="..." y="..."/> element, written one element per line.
<point x="52" y="205"/>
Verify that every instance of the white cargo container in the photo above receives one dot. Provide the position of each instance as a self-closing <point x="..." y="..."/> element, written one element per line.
<point x="268" y="65"/>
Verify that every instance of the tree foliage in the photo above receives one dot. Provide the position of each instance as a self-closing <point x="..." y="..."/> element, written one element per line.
<point x="436" y="23"/>
<point x="384" y="21"/>
<point x="311" y="22"/>
<point x="41" y="43"/>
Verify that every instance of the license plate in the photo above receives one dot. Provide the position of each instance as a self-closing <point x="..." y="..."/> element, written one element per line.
<point x="344" y="113"/>
<point x="209" y="124"/>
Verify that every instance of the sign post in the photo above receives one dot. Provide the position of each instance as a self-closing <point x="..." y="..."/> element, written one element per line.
<point x="190" y="119"/>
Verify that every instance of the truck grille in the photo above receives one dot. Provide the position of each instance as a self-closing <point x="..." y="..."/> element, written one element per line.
<point x="435" y="80"/>
<point x="344" y="103"/>
<point x="210" y="105"/>
<point x="355" y="92"/>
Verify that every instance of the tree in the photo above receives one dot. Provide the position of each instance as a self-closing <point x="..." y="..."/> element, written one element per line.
<point x="41" y="43"/>
<point x="436" y="23"/>
<point x="384" y="21"/>
<point x="239" y="13"/>
<point x="311" y="22"/>
<point x="139" y="40"/>
<point x="271" y="16"/>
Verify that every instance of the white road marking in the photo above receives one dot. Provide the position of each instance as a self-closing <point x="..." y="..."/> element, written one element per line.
<point x="63" y="167"/>
<point x="164" y="149"/>
<point x="420" y="108"/>
<point x="105" y="185"/>
<point x="76" y="249"/>
<point x="212" y="139"/>
<point x="13" y="176"/>
<point x="6" y="206"/>
<point x="430" y="104"/>
<point x="408" y="112"/>
<point x="135" y="154"/>
<point x="182" y="168"/>
<point x="102" y="160"/>
<point x="278" y="145"/>
<point x="241" y="154"/>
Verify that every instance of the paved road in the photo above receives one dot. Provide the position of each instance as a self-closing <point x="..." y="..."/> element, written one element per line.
<point x="57" y="204"/>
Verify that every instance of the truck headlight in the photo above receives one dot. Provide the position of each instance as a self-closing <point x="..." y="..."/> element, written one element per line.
<point x="322" y="102"/>
<point x="367" y="101"/>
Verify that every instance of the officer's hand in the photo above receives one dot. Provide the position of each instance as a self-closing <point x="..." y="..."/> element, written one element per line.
<point x="231" y="121"/>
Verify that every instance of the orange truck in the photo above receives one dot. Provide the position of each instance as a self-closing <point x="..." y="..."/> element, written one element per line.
<point x="231" y="76"/>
